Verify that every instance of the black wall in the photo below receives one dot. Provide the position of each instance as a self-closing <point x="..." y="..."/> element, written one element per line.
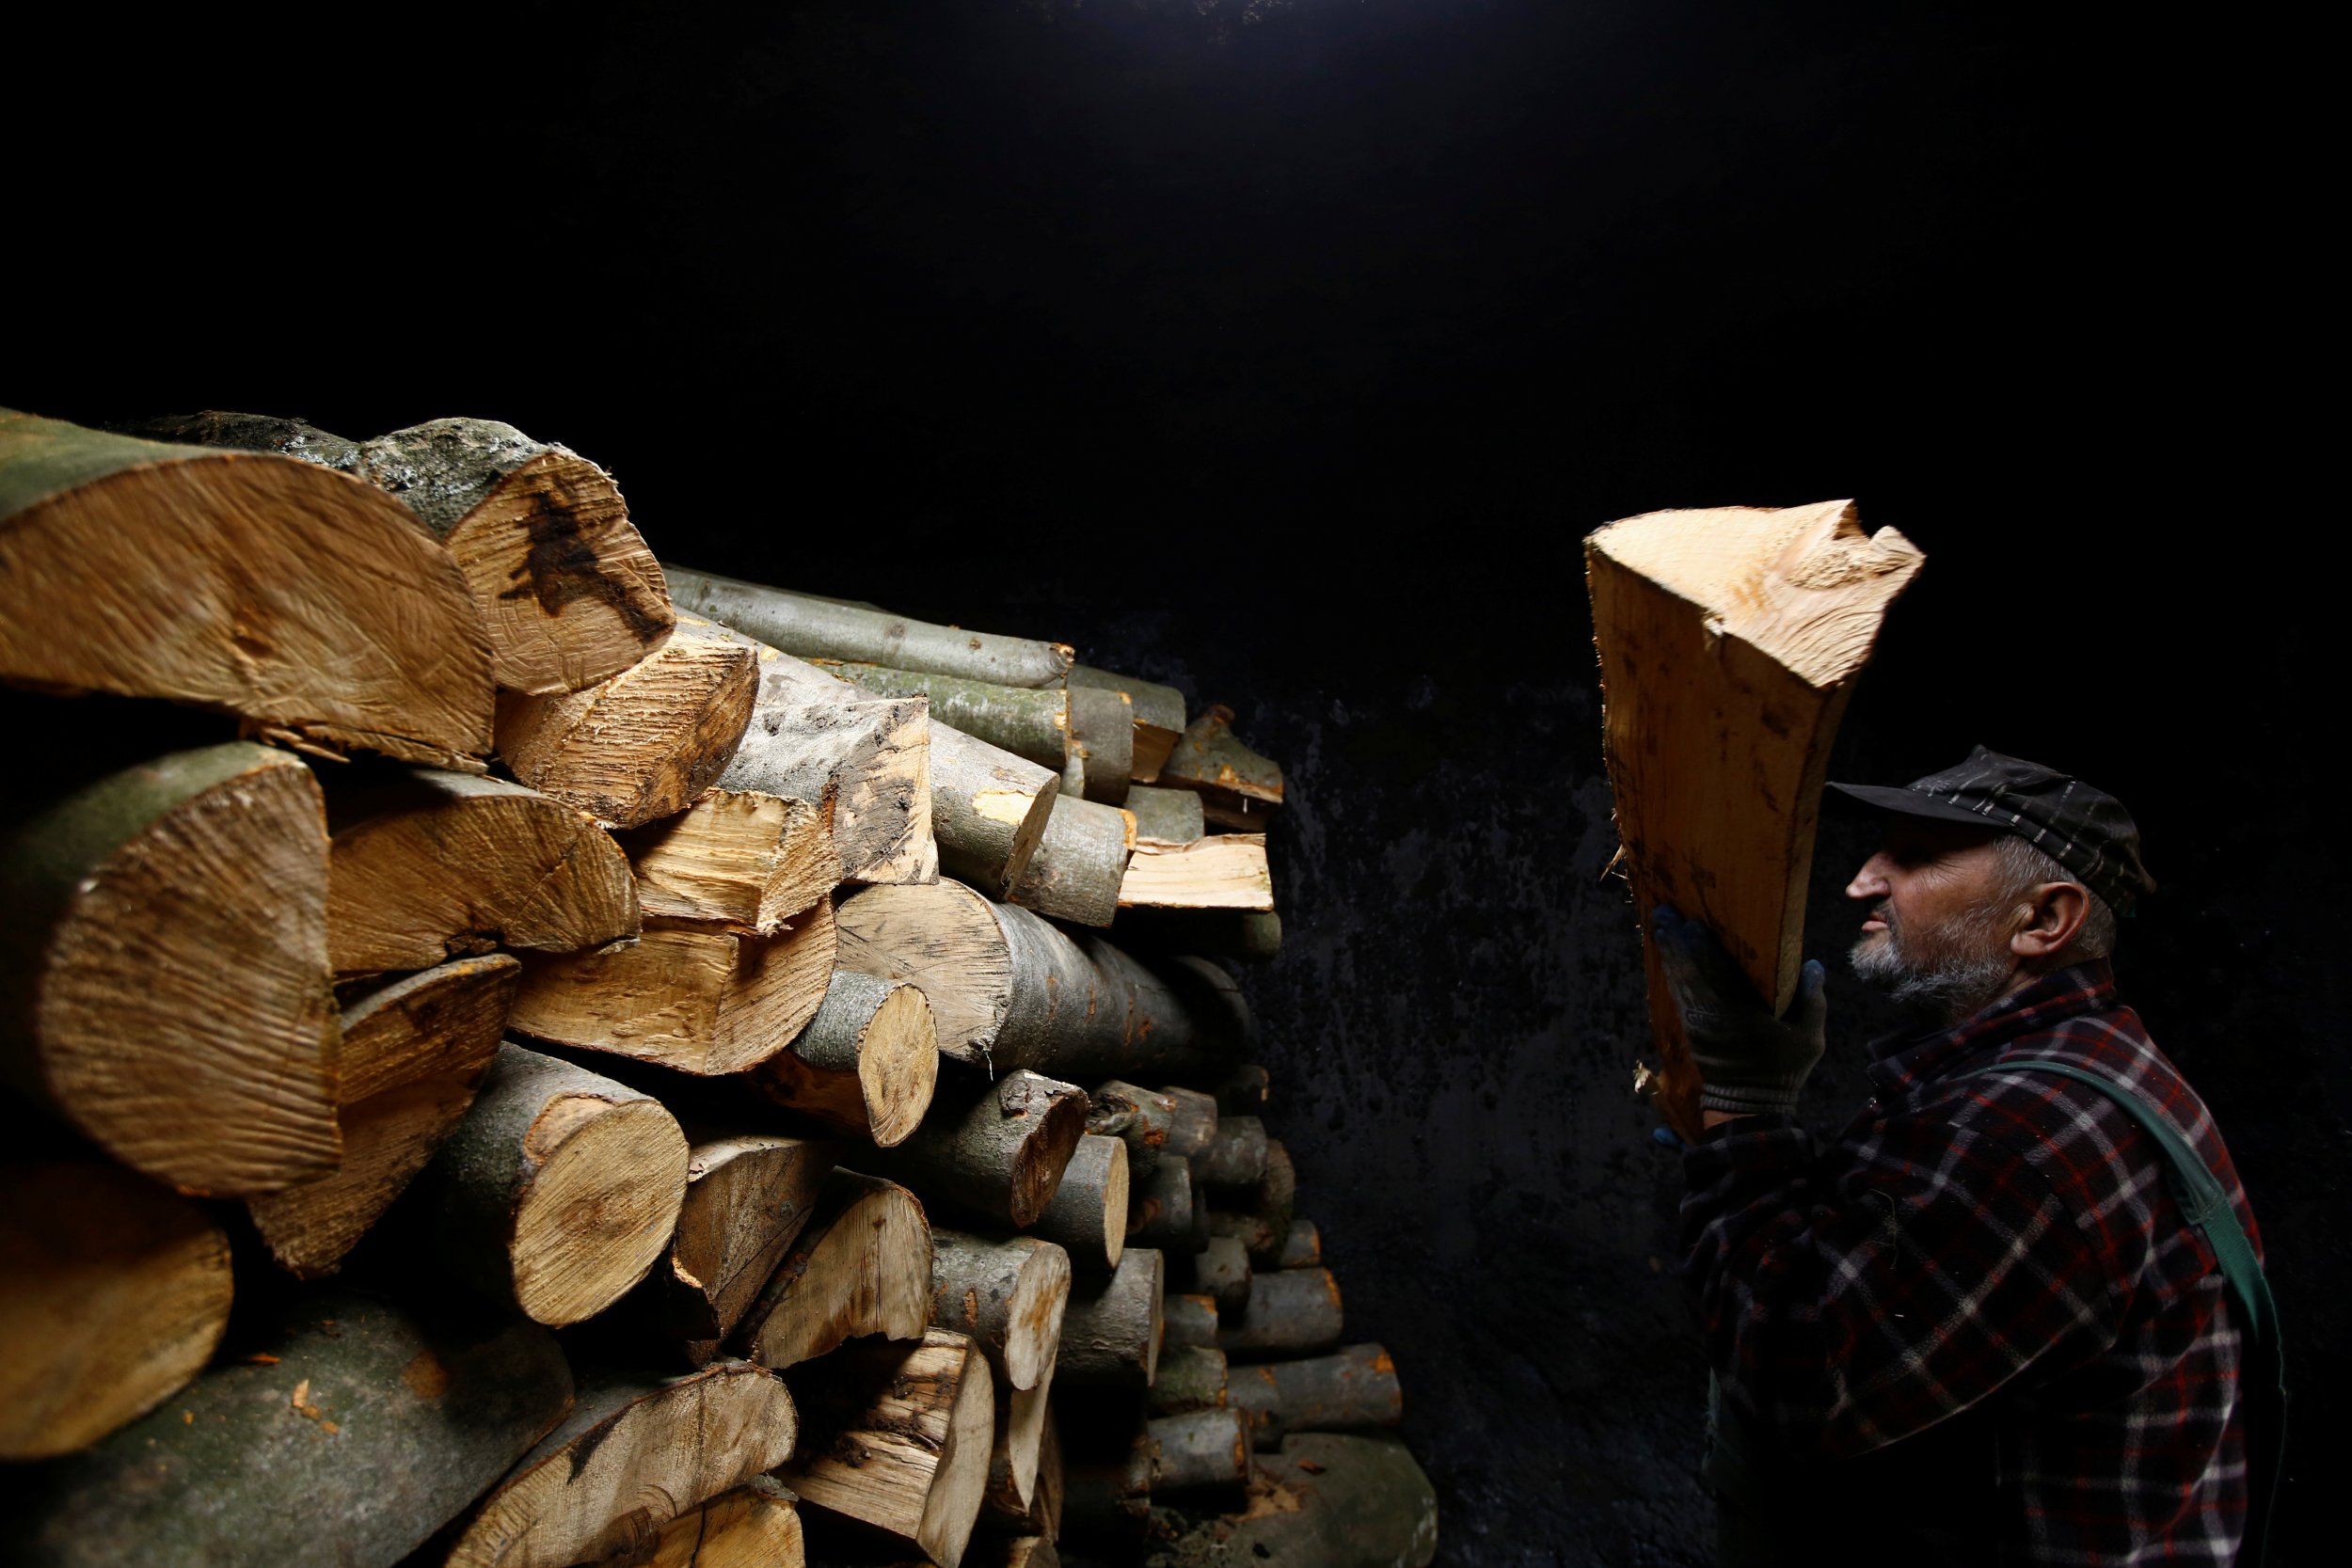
<point x="1286" y="351"/>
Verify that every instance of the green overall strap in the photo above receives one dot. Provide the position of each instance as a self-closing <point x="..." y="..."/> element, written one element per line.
<point x="2206" y="1204"/>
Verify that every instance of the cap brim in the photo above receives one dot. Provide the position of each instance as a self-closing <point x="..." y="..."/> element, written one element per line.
<point x="1909" y="802"/>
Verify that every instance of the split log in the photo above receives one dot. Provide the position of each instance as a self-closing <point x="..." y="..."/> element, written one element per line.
<point x="735" y="857"/>
<point x="1201" y="1448"/>
<point x="810" y="628"/>
<point x="697" y="999"/>
<point x="1165" y="1211"/>
<point x="1237" y="1156"/>
<point x="1022" y="1417"/>
<point x="1165" y="816"/>
<point x="303" y="602"/>
<point x="645" y="743"/>
<point x="1039" y="1512"/>
<point x="1191" y="1377"/>
<point x="164" y="984"/>
<point x="1111" y="1336"/>
<point x="1031" y="723"/>
<point x="899" y="1439"/>
<point x="415" y="1411"/>
<point x="1081" y="863"/>
<point x="865" y="1066"/>
<point x="748" y="1194"/>
<point x="755" y="1526"/>
<point x="1325" y="1501"/>
<point x="1291" y="1312"/>
<point x="425" y="866"/>
<point x="414" y="1054"/>
<point x="114" y="1291"/>
<point x="1158" y="712"/>
<point x="558" y="1191"/>
<point x="565" y="588"/>
<point x="1008" y="1296"/>
<point x="1351" y="1391"/>
<point x="1088" y="1213"/>
<point x="1251" y="936"/>
<point x="1223" y="871"/>
<point x="1221" y="1269"/>
<point x="1302" y="1246"/>
<point x="861" y="1266"/>
<point x="1730" y="639"/>
<point x="1103" y="738"/>
<point x="993" y="1149"/>
<point x="865" y="757"/>
<point x="1190" y="1320"/>
<point x="989" y="809"/>
<point x="1245" y="1091"/>
<point x="1238" y="788"/>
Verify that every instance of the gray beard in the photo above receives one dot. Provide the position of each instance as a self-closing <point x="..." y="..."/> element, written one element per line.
<point x="1949" y="981"/>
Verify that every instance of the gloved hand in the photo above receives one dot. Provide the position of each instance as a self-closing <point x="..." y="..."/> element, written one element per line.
<point x="1749" y="1062"/>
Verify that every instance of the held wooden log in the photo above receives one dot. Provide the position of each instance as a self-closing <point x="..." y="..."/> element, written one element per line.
<point x="1237" y="1156"/>
<point x="1164" y="1210"/>
<point x="822" y="628"/>
<point x="1158" y="712"/>
<point x="1103" y="738"/>
<point x="1080" y="863"/>
<point x="114" y="1291"/>
<point x="1325" y="1501"/>
<point x="992" y="1149"/>
<point x="1031" y="723"/>
<point x="1221" y="1269"/>
<point x="1291" y="1312"/>
<point x="1351" y="1391"/>
<point x="164" y="985"/>
<point x="694" y="998"/>
<point x="1087" y="1214"/>
<point x="865" y="1066"/>
<point x="747" y="1197"/>
<point x="645" y="743"/>
<point x="989" y="809"/>
<point x="900" y="1439"/>
<point x="1730" y="639"/>
<point x="415" y="1411"/>
<point x="1190" y="1377"/>
<point x="425" y="866"/>
<point x="558" y="1190"/>
<point x="755" y="1526"/>
<point x="1302" y="1246"/>
<point x="1238" y="788"/>
<point x="1110" y="1334"/>
<point x="735" y="857"/>
<point x="1007" y="1295"/>
<point x="1223" y="871"/>
<point x="1199" y="1448"/>
<point x="414" y="1054"/>
<point x="1165" y="817"/>
<point x="303" y="602"/>
<point x="861" y="1266"/>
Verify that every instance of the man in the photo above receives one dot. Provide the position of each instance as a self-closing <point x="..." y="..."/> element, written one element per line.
<point x="1977" y="1327"/>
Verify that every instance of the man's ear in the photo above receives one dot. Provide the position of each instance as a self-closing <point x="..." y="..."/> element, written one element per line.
<point x="2053" y="917"/>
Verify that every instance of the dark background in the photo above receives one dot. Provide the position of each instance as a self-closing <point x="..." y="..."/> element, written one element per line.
<point x="1286" y="351"/>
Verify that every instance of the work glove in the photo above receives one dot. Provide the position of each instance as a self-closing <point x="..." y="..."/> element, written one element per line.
<point x="1750" y="1063"/>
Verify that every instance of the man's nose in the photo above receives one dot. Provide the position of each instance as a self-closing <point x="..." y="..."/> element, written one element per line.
<point x="1870" y="882"/>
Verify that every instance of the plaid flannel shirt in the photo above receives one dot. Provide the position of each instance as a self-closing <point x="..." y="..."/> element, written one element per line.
<point x="1996" y="1255"/>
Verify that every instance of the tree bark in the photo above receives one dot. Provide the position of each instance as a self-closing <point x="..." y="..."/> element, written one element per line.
<point x="1137" y="1116"/>
<point x="645" y="743"/>
<point x="1221" y="1269"/>
<point x="1190" y="1320"/>
<point x="1111" y="1336"/>
<point x="1730" y="639"/>
<point x="558" y="1190"/>
<point x="1262" y="1222"/>
<point x="1291" y="1312"/>
<point x="1158" y="712"/>
<point x="1237" y="1156"/>
<point x="1199" y="1448"/>
<point x="1352" y="1389"/>
<point x="861" y="1266"/>
<point x="1325" y="1501"/>
<point x="820" y="628"/>
<point x="114" y="1292"/>
<point x="426" y="865"/>
<point x="996" y="1149"/>
<point x="1080" y="863"/>
<point x="1302" y="1246"/>
<point x="634" y="1453"/>
<point x="130" y="908"/>
<point x="303" y="602"/>
<point x="900" y="1439"/>
<point x="414" y="1055"/>
<point x="418" y="1412"/>
<point x="1191" y="1377"/>
<point x="697" y="999"/>
<point x="1165" y="817"/>
<point x="1102" y="735"/>
<point x="1224" y="871"/>
<point x="735" y="857"/>
<point x="865" y="1066"/>
<point x="1164" y="1210"/>
<point x="1008" y="1295"/>
<point x="1238" y="788"/>
<point x="1087" y="1214"/>
<point x="989" y="809"/>
<point x="755" y="1526"/>
<point x="748" y="1194"/>
<point x="1031" y="723"/>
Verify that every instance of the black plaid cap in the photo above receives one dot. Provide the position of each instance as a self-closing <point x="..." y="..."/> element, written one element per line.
<point x="2085" y="830"/>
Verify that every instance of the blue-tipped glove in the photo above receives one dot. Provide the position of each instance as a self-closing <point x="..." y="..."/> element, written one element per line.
<point x="1750" y="1063"/>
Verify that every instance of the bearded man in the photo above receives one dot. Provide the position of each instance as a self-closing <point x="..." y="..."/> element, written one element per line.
<point x="1995" y="1320"/>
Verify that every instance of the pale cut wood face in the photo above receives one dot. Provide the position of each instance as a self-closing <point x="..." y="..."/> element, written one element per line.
<point x="1226" y="871"/>
<point x="601" y="1207"/>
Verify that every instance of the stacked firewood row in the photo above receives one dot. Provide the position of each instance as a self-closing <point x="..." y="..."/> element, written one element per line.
<point x="526" y="1054"/>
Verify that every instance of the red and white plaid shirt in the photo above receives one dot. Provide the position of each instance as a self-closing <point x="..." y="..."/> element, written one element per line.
<point x="1990" y="1271"/>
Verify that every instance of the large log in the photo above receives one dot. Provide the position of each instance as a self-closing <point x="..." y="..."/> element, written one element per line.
<point x="861" y="1266"/>
<point x="1031" y="723"/>
<point x="426" y="865"/>
<point x="690" y="997"/>
<point x="1223" y="871"/>
<point x="989" y="809"/>
<point x="1007" y="1295"/>
<point x="305" y="603"/>
<point x="1730" y="639"/>
<point x="1010" y="990"/>
<point x="634" y="1453"/>
<point x="1197" y="1448"/>
<point x="755" y="1526"/>
<point x="997" y="1150"/>
<point x="898" y="1438"/>
<point x="865" y="1066"/>
<point x="414" y="1054"/>
<point x="1111" y="1336"/>
<point x="735" y="857"/>
<point x="1325" y="1501"/>
<point x="415" y="1411"/>
<point x="1088" y="1213"/>
<point x="823" y="629"/>
<point x="114" y="1292"/>
<point x="1238" y="788"/>
<point x="1081" y="863"/>
<point x="566" y="589"/>
<point x="645" y="743"/>
<point x="558" y="1190"/>
<point x="748" y="1194"/>
<point x="1291" y="1312"/>
<point x="1352" y="1389"/>
<point x="164" y="982"/>
<point x="1158" y="713"/>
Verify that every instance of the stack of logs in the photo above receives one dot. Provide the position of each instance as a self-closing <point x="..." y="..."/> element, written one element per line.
<point x="664" y="1070"/>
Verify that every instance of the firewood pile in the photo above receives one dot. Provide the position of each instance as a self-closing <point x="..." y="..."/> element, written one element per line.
<point x="522" y="1053"/>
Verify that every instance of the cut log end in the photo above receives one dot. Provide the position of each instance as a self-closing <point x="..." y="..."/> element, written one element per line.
<point x="616" y="1172"/>
<point x="860" y="1266"/>
<point x="898" y="1065"/>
